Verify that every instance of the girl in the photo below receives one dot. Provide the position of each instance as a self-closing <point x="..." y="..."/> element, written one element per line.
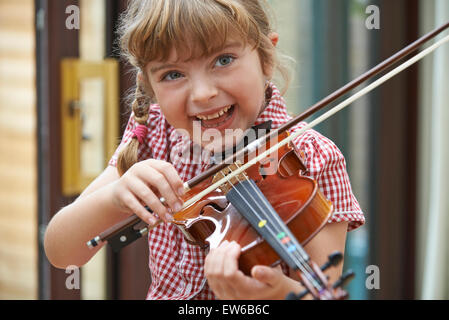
<point x="204" y="70"/>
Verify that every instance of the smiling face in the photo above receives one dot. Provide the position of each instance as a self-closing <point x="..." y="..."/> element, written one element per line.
<point x="211" y="96"/>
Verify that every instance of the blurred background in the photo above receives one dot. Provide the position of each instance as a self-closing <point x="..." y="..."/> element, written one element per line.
<point x="62" y="112"/>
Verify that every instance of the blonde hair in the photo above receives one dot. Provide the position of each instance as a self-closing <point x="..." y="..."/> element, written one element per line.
<point x="150" y="29"/>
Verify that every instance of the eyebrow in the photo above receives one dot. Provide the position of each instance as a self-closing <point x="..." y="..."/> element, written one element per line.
<point x="174" y="66"/>
<point x="162" y="66"/>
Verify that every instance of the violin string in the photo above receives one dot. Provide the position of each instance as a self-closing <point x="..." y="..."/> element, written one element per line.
<point x="274" y="217"/>
<point x="300" y="256"/>
<point x="301" y="264"/>
<point x="280" y="223"/>
<point x="259" y="142"/>
<point x="298" y="260"/>
<point x="321" y="118"/>
<point x="326" y="115"/>
<point x="296" y="255"/>
<point x="272" y="233"/>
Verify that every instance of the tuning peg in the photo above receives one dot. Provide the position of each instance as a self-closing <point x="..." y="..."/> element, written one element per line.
<point x="334" y="259"/>
<point x="344" y="279"/>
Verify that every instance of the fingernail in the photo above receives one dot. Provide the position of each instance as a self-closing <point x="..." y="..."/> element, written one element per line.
<point x="177" y="207"/>
<point x="169" y="217"/>
<point x="257" y="272"/>
<point x="235" y="245"/>
<point x="181" y="191"/>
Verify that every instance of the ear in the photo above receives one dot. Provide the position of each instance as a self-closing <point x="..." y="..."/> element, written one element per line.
<point x="274" y="37"/>
<point x="140" y="75"/>
<point x="268" y="69"/>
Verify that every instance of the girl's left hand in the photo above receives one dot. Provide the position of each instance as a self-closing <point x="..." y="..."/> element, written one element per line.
<point x="228" y="282"/>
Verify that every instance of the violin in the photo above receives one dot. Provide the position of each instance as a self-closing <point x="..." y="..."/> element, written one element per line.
<point x="271" y="216"/>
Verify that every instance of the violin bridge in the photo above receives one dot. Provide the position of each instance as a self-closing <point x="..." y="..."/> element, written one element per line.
<point x="231" y="181"/>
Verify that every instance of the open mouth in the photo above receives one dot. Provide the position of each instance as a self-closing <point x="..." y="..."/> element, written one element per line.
<point x="217" y="119"/>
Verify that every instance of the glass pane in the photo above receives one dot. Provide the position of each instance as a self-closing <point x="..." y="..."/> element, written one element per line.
<point x="92" y="30"/>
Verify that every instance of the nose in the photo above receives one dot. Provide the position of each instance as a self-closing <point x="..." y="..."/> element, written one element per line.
<point x="203" y="90"/>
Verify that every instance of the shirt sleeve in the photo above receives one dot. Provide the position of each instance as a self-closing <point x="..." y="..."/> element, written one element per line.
<point x="326" y="164"/>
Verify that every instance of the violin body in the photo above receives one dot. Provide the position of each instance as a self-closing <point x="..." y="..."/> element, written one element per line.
<point x="296" y="199"/>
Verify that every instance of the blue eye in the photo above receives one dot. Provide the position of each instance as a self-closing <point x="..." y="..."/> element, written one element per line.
<point x="224" y="60"/>
<point x="173" y="75"/>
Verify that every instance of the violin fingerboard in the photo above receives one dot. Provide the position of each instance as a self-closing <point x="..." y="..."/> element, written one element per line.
<point x="251" y="203"/>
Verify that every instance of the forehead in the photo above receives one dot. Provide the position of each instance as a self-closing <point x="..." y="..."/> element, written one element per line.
<point x="193" y="52"/>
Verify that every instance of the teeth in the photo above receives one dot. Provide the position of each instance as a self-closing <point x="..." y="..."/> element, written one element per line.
<point x="215" y="115"/>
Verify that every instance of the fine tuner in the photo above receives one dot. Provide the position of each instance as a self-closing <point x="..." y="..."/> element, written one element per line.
<point x="333" y="260"/>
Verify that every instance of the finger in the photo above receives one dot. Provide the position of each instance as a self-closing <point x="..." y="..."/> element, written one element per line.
<point x="231" y="253"/>
<point x="229" y="273"/>
<point x="213" y="263"/>
<point x="136" y="207"/>
<point x="147" y="196"/>
<point x="171" y="175"/>
<point x="232" y="276"/>
<point x="213" y="270"/>
<point x="157" y="180"/>
<point x="265" y="274"/>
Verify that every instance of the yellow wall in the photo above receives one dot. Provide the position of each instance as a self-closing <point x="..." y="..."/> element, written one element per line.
<point x="18" y="192"/>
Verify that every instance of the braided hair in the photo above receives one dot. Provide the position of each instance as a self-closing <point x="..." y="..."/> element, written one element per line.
<point x="140" y="110"/>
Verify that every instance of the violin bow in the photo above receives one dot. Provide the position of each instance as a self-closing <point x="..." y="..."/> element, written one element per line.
<point x="124" y="233"/>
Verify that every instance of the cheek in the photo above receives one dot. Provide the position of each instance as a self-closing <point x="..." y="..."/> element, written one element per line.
<point x="251" y="89"/>
<point x="172" y="105"/>
<point x="175" y="115"/>
<point x="252" y="100"/>
<point x="174" y="112"/>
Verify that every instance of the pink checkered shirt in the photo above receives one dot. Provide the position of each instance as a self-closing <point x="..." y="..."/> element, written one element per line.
<point x="176" y="266"/>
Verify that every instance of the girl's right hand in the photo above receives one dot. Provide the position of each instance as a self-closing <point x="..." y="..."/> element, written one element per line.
<point x="143" y="185"/>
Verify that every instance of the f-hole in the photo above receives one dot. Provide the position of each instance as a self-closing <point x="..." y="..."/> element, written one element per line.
<point x="214" y="205"/>
<point x="264" y="164"/>
<point x="290" y="164"/>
